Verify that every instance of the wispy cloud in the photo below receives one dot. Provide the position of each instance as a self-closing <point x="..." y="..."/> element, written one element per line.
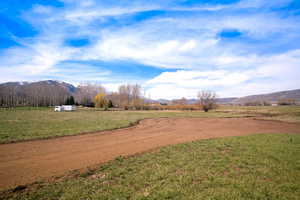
<point x="183" y="40"/>
<point x="279" y="72"/>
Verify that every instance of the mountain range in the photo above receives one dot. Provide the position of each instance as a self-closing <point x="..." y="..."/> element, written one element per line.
<point x="270" y="97"/>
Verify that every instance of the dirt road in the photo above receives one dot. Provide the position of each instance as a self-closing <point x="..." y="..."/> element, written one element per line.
<point x="26" y="162"/>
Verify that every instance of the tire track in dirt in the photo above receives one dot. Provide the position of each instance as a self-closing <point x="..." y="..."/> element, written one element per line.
<point x="27" y="162"/>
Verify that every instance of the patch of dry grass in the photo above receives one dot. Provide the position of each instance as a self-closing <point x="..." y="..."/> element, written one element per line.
<point x="281" y="113"/>
<point x="26" y="124"/>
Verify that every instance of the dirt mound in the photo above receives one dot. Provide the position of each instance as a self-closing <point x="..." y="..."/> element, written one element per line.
<point x="26" y="162"/>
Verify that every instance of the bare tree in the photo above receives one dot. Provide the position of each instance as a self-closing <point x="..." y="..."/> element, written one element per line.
<point x="182" y="101"/>
<point x="11" y="95"/>
<point x="41" y="93"/>
<point x="124" y="96"/>
<point x="207" y="100"/>
<point x="130" y="96"/>
<point x="86" y="92"/>
<point x="137" y="100"/>
<point x="114" y="97"/>
<point x="49" y="93"/>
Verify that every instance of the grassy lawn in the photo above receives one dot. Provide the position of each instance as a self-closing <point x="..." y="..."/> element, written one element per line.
<point x="281" y="113"/>
<point x="247" y="167"/>
<point x="26" y="123"/>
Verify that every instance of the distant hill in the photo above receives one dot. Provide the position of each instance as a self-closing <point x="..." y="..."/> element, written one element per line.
<point x="219" y="100"/>
<point x="68" y="88"/>
<point x="41" y="93"/>
<point x="271" y="97"/>
<point x="226" y="100"/>
<point x="194" y="101"/>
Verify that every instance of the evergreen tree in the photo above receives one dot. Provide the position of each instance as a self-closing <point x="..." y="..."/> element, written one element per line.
<point x="71" y="100"/>
<point x="67" y="101"/>
<point x="110" y="104"/>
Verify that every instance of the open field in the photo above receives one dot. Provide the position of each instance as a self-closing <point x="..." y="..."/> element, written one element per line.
<point x="260" y="166"/>
<point x="281" y="113"/>
<point x="26" y="124"/>
<point x="24" y="163"/>
<point x="149" y="100"/>
<point x="247" y="167"/>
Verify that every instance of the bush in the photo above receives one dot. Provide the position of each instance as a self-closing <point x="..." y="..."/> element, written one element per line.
<point x="110" y="104"/>
<point x="207" y="100"/>
<point x="100" y="100"/>
<point x="286" y="102"/>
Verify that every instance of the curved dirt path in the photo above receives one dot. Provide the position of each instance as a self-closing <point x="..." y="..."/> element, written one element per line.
<point x="26" y="162"/>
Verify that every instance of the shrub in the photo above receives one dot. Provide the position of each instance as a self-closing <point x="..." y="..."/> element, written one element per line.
<point x="286" y="102"/>
<point x="100" y="100"/>
<point x="207" y="100"/>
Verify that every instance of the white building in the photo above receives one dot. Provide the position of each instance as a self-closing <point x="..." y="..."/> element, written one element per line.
<point x="64" y="108"/>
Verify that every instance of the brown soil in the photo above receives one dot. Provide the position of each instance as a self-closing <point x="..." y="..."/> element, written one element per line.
<point x="27" y="162"/>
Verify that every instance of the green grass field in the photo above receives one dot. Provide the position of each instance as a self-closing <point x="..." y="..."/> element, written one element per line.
<point x="246" y="167"/>
<point x="26" y="123"/>
<point x="281" y="113"/>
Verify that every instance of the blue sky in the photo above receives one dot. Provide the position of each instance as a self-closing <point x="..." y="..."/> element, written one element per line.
<point x="172" y="48"/>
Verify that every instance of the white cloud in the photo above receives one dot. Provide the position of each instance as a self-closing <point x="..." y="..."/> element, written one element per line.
<point x="87" y="11"/>
<point x="112" y="87"/>
<point x="273" y="73"/>
<point x="149" y="43"/>
<point x="42" y="9"/>
<point x="198" y="79"/>
<point x="169" y="91"/>
<point x="188" y="45"/>
<point x="188" y="42"/>
<point x="262" y="3"/>
<point x="36" y="58"/>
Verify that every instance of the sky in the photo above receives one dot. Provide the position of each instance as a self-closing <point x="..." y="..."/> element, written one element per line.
<point x="173" y="48"/>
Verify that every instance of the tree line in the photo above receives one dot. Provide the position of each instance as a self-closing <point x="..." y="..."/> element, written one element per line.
<point x="128" y="96"/>
<point x="36" y="95"/>
<point x="51" y="94"/>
